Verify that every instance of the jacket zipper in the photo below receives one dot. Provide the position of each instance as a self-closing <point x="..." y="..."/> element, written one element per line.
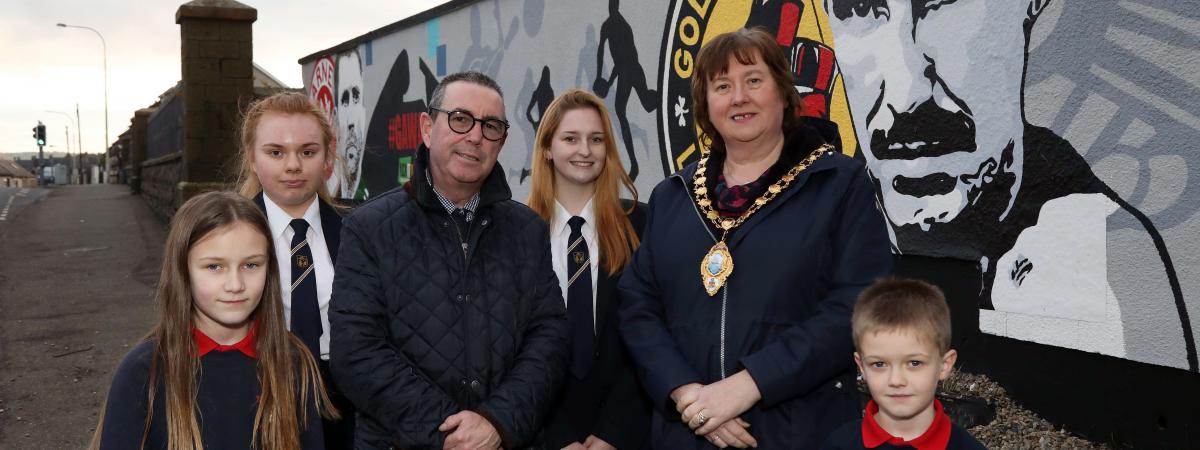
<point x="465" y="327"/>
<point x="725" y="289"/>
<point x="462" y="240"/>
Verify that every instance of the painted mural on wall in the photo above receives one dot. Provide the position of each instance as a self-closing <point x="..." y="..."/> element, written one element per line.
<point x="320" y="88"/>
<point x="936" y="90"/>
<point x="1049" y="141"/>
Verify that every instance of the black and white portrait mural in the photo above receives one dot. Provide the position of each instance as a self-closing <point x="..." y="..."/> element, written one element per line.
<point x="1050" y="143"/>
<point x="938" y="94"/>
<point x="351" y="123"/>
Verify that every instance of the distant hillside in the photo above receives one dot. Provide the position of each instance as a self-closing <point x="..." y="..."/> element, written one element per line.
<point x="31" y="155"/>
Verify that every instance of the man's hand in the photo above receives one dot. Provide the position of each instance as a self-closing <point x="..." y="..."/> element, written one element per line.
<point x="469" y="431"/>
<point x="732" y="434"/>
<point x="720" y="402"/>
<point x="595" y="443"/>
<point x="574" y="446"/>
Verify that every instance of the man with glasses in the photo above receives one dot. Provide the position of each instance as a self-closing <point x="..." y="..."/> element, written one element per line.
<point x="448" y="326"/>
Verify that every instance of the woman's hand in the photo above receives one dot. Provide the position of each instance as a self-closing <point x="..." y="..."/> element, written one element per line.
<point x="684" y="396"/>
<point x="594" y="443"/>
<point x="713" y="405"/>
<point x="732" y="434"/>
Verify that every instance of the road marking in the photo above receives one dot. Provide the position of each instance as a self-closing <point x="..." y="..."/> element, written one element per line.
<point x="83" y="250"/>
<point x="4" y="213"/>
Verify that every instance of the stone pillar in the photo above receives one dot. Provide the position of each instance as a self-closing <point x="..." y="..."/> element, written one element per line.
<point x="137" y="148"/>
<point x="218" y="81"/>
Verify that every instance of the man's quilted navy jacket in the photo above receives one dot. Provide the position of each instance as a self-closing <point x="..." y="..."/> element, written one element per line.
<point x="421" y="332"/>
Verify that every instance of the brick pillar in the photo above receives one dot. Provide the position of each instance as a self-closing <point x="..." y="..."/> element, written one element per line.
<point x="137" y="148"/>
<point x="218" y="80"/>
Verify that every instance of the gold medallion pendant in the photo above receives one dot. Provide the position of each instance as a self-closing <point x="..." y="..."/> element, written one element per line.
<point x="717" y="264"/>
<point x="716" y="267"/>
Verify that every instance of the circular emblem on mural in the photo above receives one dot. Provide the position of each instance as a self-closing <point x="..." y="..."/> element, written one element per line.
<point x="321" y="86"/>
<point x="798" y="27"/>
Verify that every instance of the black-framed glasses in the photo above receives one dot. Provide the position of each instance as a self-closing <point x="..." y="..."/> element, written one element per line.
<point x="462" y="122"/>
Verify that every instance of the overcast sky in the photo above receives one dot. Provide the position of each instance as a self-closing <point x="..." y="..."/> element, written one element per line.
<point x="45" y="67"/>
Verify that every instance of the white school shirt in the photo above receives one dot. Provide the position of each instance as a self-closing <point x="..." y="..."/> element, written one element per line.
<point x="281" y="232"/>
<point x="560" y="232"/>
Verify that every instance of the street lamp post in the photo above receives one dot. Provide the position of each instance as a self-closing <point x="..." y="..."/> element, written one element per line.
<point x="104" y="47"/>
<point x="79" y="149"/>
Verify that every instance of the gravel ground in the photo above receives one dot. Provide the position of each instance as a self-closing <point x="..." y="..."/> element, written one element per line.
<point x="1014" y="427"/>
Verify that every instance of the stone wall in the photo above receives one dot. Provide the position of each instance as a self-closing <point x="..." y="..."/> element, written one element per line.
<point x="160" y="177"/>
<point x="217" y="82"/>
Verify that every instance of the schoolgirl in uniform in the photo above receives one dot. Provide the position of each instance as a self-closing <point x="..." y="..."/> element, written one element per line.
<point x="287" y="153"/>
<point x="576" y="180"/>
<point x="220" y="369"/>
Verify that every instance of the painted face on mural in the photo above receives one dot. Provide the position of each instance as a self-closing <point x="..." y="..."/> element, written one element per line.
<point x="463" y="160"/>
<point x="351" y="115"/>
<point x="935" y="93"/>
<point x="578" y="148"/>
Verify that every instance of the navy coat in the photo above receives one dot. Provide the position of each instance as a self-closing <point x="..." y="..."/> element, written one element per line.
<point x="425" y="326"/>
<point x="784" y="314"/>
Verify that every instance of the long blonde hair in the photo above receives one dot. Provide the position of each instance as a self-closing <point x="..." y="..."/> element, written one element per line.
<point x="617" y="237"/>
<point x="248" y="184"/>
<point x="287" y="372"/>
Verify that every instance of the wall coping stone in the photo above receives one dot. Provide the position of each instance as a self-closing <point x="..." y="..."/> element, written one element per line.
<point x="163" y="159"/>
<point x="216" y="9"/>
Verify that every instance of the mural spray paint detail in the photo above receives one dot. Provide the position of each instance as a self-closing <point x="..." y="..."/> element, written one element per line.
<point x="351" y="119"/>
<point x="1044" y="140"/>
<point x="481" y="57"/>
<point x="539" y="101"/>
<point x="321" y="87"/>
<point x="627" y="75"/>
<point x="961" y="173"/>
<point x="394" y="132"/>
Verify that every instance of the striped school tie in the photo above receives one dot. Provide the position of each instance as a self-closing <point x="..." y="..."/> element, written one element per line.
<point x="306" y="314"/>
<point x="579" y="300"/>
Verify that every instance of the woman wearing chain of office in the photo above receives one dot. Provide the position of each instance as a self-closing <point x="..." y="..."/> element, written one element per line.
<point x="737" y="306"/>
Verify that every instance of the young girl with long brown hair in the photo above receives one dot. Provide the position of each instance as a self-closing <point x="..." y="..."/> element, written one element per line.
<point x="220" y="369"/>
<point x="576" y="187"/>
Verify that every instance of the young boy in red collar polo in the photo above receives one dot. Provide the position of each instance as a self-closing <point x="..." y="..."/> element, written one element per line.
<point x="902" y="341"/>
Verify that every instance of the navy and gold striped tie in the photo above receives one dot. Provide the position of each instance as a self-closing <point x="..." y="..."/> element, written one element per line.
<point x="306" y="314"/>
<point x="579" y="300"/>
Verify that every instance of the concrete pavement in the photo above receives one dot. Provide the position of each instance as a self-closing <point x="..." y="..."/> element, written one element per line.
<point x="78" y="267"/>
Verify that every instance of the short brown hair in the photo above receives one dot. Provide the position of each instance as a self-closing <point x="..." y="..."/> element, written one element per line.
<point x="746" y="45"/>
<point x="898" y="303"/>
<point x="439" y="92"/>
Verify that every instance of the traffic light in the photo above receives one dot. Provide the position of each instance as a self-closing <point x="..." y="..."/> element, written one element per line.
<point x="39" y="134"/>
